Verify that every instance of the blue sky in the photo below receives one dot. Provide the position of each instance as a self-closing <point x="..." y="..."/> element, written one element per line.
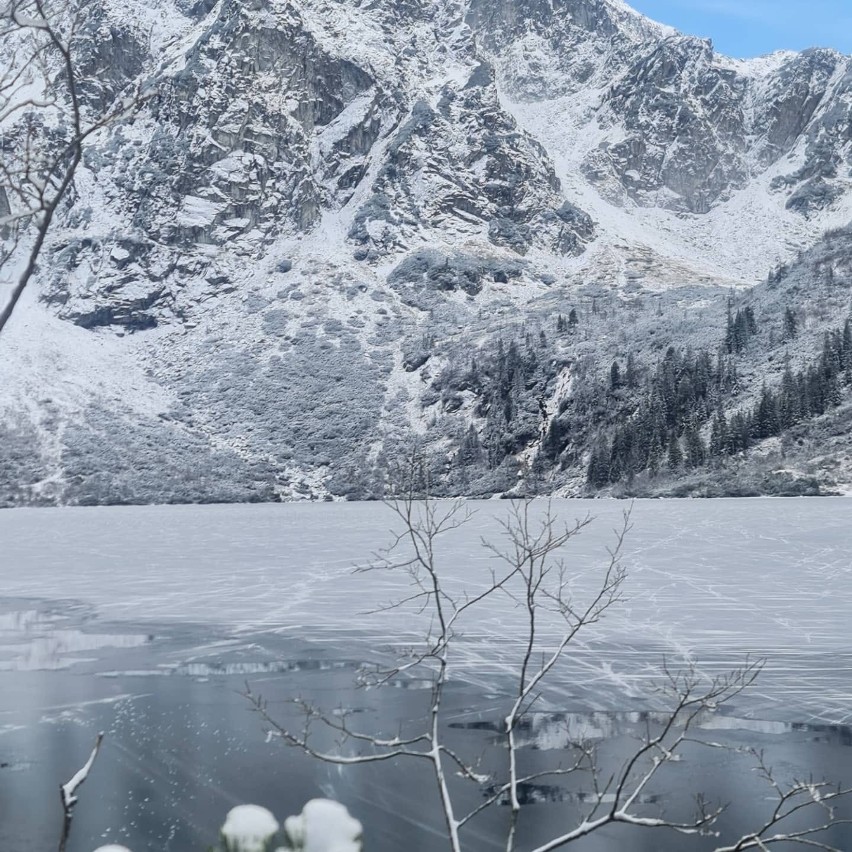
<point x="745" y="28"/>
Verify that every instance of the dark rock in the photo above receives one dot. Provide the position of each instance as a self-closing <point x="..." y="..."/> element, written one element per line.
<point x="814" y="195"/>
<point x="505" y="232"/>
<point x="414" y="360"/>
<point x="438" y="271"/>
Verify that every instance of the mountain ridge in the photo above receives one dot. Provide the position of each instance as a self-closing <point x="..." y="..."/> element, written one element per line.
<point x="262" y="275"/>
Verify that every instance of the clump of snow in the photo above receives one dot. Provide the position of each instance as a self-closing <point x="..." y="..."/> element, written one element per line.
<point x="69" y="790"/>
<point x="324" y="826"/>
<point x="112" y="848"/>
<point x="248" y="828"/>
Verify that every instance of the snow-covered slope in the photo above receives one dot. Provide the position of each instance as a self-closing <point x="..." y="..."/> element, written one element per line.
<point x="261" y="276"/>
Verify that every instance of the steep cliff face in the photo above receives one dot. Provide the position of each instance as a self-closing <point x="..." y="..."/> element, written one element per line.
<point x="548" y="49"/>
<point x="285" y="263"/>
<point x="671" y="124"/>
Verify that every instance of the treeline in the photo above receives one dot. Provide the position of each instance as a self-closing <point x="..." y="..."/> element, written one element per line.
<point x="680" y="396"/>
<point x="682" y="413"/>
<point x="509" y="383"/>
<point x="739" y="329"/>
<point x="681" y="423"/>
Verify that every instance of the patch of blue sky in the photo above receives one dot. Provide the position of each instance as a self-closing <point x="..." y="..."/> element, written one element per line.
<point x="747" y="28"/>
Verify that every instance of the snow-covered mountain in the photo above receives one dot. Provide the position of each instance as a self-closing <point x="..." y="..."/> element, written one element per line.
<point x="312" y="249"/>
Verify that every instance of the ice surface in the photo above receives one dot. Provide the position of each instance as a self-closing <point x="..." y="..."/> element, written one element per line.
<point x="714" y="580"/>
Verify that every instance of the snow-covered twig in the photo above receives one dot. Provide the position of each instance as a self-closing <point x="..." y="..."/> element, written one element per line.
<point x="792" y="799"/>
<point x="68" y="792"/>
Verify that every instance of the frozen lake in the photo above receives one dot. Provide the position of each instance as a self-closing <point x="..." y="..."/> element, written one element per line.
<point x="146" y="621"/>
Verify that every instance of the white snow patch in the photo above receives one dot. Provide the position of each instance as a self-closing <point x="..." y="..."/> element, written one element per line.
<point x="353" y="114"/>
<point x="676" y="248"/>
<point x="324" y="826"/>
<point x="198" y="212"/>
<point x="248" y="828"/>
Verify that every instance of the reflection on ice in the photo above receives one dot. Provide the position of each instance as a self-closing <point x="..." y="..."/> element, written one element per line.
<point x="8" y="766"/>
<point x="411" y="683"/>
<point x="46" y="639"/>
<point x="561" y="731"/>
<point x="242" y="668"/>
<point x="540" y="794"/>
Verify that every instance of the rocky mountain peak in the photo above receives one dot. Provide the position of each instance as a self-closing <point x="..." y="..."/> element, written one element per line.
<point x="338" y="203"/>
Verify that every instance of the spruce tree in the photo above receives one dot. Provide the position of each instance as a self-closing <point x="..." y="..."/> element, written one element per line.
<point x="729" y="331"/>
<point x="766" y="418"/>
<point x="833" y="396"/>
<point x="719" y="440"/>
<point x="598" y="474"/>
<point x="740" y="433"/>
<point x="655" y="455"/>
<point x="470" y="448"/>
<point x="791" y="325"/>
<point x="615" y="376"/>
<point x="695" y="450"/>
<point x="788" y="407"/>
<point x="630" y="375"/>
<point x="740" y="332"/>
<point x="675" y="455"/>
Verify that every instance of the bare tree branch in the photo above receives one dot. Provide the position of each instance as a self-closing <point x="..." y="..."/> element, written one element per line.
<point x="40" y="37"/>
